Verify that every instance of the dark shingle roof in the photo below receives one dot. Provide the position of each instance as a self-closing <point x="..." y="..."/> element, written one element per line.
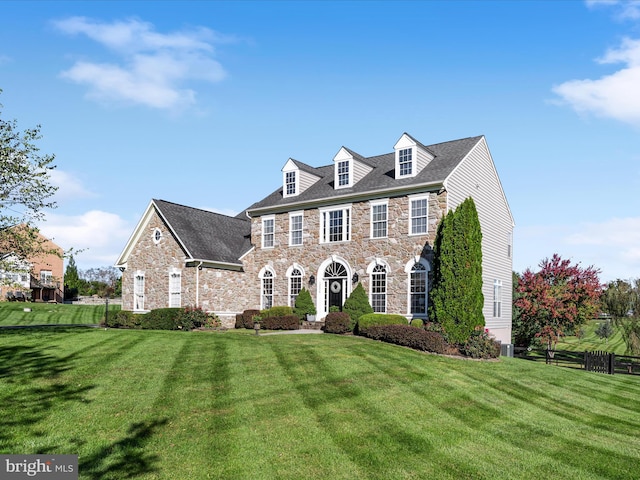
<point x="207" y="235"/>
<point x="447" y="156"/>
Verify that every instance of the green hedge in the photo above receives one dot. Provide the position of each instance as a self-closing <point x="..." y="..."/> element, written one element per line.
<point x="161" y="319"/>
<point x="286" y="322"/>
<point x="408" y="336"/>
<point x="277" y="311"/>
<point x="371" y="319"/>
<point x="124" y="319"/>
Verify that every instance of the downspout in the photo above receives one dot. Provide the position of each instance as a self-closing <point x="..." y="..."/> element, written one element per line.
<point x="198" y="284"/>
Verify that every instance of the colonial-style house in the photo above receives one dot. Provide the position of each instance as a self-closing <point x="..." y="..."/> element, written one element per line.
<point x="39" y="278"/>
<point x="371" y="220"/>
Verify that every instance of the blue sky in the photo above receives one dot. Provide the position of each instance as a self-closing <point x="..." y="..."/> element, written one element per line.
<point x="202" y="103"/>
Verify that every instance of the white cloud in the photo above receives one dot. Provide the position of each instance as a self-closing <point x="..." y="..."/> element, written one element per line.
<point x="98" y="236"/>
<point x="615" y="96"/>
<point x="612" y="245"/>
<point x="153" y="69"/>
<point x="624" y="9"/>
<point x="69" y="186"/>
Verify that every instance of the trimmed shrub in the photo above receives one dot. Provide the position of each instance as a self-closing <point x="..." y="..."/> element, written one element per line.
<point x="285" y="322"/>
<point x="371" y="319"/>
<point x="337" y="322"/>
<point x="247" y="318"/>
<point x="239" y="320"/>
<point x="304" y="304"/>
<point x="357" y="305"/>
<point x="191" y="317"/>
<point x="417" y="322"/>
<point x="124" y="319"/>
<point x="277" y="311"/>
<point x="408" y="336"/>
<point x="480" y="345"/>
<point x="160" y="319"/>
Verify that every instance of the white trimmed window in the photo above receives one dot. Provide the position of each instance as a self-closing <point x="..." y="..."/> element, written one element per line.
<point x="138" y="291"/>
<point x="405" y="162"/>
<point x="344" y="173"/>
<point x="268" y="231"/>
<point x="418" y="289"/>
<point x="379" y="219"/>
<point x="510" y="245"/>
<point x="157" y="236"/>
<point x="335" y="224"/>
<point x="266" y="298"/>
<point x="419" y="214"/>
<point x="379" y="289"/>
<point x="295" y="285"/>
<point x="290" y="183"/>
<point x="497" y="298"/>
<point x="295" y="228"/>
<point x="46" y="277"/>
<point x="175" y="288"/>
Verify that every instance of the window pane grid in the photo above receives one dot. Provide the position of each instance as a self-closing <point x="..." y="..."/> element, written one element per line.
<point x="295" y="285"/>
<point x="296" y="230"/>
<point x="290" y="180"/>
<point x="175" y="297"/>
<point x="343" y="173"/>
<point x="379" y="221"/>
<point x="419" y="216"/>
<point x="405" y="162"/>
<point x="379" y="289"/>
<point x="267" y="290"/>
<point x="268" y="232"/>
<point x="418" y="289"/>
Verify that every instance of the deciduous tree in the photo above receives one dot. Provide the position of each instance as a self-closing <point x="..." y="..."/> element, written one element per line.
<point x="25" y="189"/>
<point x="558" y="298"/>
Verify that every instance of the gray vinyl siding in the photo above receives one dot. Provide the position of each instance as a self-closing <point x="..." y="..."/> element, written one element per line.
<point x="306" y="180"/>
<point x="359" y="170"/>
<point x="422" y="159"/>
<point x="476" y="177"/>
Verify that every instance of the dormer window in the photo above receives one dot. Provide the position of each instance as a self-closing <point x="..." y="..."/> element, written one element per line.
<point x="290" y="183"/>
<point x="343" y="173"/>
<point x="405" y="162"/>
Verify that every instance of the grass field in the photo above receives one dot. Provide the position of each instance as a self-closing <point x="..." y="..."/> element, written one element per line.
<point x="12" y="313"/>
<point x="591" y="342"/>
<point x="198" y="405"/>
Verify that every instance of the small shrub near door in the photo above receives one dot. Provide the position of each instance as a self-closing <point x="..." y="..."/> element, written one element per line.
<point x="371" y="319"/>
<point x="337" y="322"/>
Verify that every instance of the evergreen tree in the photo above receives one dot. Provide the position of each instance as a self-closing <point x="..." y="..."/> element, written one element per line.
<point x="357" y="305"/>
<point x="71" y="279"/>
<point x="456" y="296"/>
<point x="304" y="304"/>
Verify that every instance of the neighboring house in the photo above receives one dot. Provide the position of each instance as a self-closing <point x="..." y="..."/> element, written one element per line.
<point x="360" y="219"/>
<point x="39" y="278"/>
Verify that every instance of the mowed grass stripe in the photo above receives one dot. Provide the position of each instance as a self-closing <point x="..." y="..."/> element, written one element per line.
<point x="176" y="405"/>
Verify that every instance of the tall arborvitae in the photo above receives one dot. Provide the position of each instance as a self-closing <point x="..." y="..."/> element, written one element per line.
<point x="456" y="295"/>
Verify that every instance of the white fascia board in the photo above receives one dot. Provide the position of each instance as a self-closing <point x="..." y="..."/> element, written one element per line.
<point x="135" y="235"/>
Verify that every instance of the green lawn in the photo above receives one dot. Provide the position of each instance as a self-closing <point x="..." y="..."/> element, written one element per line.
<point x="591" y="342"/>
<point x="12" y="313"/>
<point x="197" y="405"/>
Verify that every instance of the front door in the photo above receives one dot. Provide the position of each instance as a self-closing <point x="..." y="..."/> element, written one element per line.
<point x="335" y="293"/>
<point x="335" y="277"/>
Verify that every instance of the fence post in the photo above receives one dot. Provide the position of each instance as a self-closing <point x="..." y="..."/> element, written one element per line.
<point x="612" y="363"/>
<point x="586" y="360"/>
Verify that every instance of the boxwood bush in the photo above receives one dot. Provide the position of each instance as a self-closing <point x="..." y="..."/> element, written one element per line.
<point x="161" y="319"/>
<point x="371" y="319"/>
<point x="408" y="336"/>
<point x="480" y="345"/>
<point x="124" y="319"/>
<point x="277" y="311"/>
<point x="337" y="322"/>
<point x="417" y="322"/>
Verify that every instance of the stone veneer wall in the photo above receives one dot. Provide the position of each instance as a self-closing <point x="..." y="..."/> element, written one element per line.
<point x="220" y="291"/>
<point x="396" y="250"/>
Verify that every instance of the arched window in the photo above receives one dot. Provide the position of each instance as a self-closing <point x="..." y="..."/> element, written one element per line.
<point x="295" y="285"/>
<point x="379" y="289"/>
<point x="266" y="296"/>
<point x="417" y="270"/>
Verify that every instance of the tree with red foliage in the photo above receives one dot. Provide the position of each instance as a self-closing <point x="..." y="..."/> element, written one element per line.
<point x="555" y="300"/>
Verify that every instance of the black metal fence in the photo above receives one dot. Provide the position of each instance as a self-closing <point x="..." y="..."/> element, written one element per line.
<point x="601" y="362"/>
